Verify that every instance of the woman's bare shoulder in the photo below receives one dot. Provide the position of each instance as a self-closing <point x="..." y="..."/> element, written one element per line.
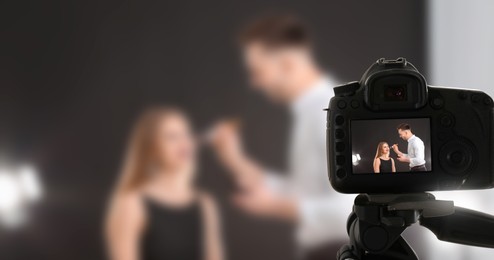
<point x="128" y="203"/>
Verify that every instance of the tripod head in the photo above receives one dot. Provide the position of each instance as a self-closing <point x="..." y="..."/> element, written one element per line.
<point x="377" y="222"/>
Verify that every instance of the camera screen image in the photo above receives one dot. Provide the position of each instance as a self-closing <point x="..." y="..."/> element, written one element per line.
<point x="391" y="145"/>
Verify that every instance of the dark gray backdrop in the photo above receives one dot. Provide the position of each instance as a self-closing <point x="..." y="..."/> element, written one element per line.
<point x="73" y="75"/>
<point x="366" y="135"/>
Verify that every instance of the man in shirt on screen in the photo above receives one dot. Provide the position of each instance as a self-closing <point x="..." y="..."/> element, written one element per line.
<point x="415" y="155"/>
<point x="279" y="58"/>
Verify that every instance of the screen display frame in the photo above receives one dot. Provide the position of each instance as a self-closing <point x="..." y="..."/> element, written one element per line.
<point x="428" y="145"/>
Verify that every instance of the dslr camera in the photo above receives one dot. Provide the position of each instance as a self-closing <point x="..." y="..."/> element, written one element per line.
<point x="390" y="132"/>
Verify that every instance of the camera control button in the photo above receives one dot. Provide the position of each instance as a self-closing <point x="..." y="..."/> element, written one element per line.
<point x="457" y="157"/>
<point x="339" y="120"/>
<point x="341" y="104"/>
<point x="446" y="120"/>
<point x="475" y="98"/>
<point x="339" y="134"/>
<point x="341" y="173"/>
<point x="340" y="146"/>
<point x="354" y="104"/>
<point x="437" y="103"/>
<point x="487" y="101"/>
<point x="340" y="160"/>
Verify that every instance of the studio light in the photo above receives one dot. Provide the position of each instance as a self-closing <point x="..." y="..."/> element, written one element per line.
<point x="10" y="196"/>
<point x="29" y="183"/>
<point x="19" y="188"/>
<point x="356" y="159"/>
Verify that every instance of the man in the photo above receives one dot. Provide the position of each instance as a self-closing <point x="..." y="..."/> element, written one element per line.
<point x="416" y="149"/>
<point x="278" y="55"/>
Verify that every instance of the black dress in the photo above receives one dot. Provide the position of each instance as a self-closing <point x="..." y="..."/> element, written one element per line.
<point x="386" y="165"/>
<point x="172" y="233"/>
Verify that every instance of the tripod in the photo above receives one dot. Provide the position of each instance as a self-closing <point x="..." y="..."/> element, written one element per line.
<point x="377" y="222"/>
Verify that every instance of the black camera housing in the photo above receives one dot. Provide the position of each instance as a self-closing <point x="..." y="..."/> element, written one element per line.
<point x="461" y="130"/>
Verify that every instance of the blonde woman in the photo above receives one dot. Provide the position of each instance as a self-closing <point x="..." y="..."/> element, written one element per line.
<point x="382" y="161"/>
<point x="156" y="211"/>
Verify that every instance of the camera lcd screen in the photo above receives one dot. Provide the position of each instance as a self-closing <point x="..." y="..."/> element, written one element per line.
<point x="391" y="145"/>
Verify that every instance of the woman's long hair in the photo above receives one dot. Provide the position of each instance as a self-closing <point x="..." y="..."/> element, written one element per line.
<point x="142" y="155"/>
<point x="379" y="151"/>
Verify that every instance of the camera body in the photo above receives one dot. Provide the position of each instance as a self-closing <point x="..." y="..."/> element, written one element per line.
<point x="450" y="140"/>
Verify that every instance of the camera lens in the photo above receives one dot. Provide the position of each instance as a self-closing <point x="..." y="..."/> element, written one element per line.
<point x="395" y="93"/>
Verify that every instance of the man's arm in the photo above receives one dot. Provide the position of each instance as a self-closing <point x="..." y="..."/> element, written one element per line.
<point x="225" y="139"/>
<point x="262" y="192"/>
<point x="402" y="157"/>
<point x="397" y="151"/>
<point x="264" y="202"/>
<point x="246" y="171"/>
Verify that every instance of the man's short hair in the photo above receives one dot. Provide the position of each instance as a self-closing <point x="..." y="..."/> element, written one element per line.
<point x="403" y="126"/>
<point x="276" y="31"/>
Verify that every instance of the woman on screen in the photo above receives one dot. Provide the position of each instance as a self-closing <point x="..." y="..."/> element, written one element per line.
<point x="382" y="161"/>
<point x="156" y="211"/>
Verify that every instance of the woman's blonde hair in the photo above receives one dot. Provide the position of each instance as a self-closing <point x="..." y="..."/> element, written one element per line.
<point x="379" y="151"/>
<point x="141" y="154"/>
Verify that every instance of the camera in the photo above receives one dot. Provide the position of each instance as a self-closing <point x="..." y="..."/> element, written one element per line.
<point x="390" y="132"/>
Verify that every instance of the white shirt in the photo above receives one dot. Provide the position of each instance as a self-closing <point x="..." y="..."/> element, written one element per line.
<point x="416" y="151"/>
<point x="323" y="211"/>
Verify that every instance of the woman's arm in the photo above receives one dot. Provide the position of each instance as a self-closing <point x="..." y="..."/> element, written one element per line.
<point x="125" y="222"/>
<point x="377" y="164"/>
<point x="393" y="168"/>
<point x="212" y="238"/>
